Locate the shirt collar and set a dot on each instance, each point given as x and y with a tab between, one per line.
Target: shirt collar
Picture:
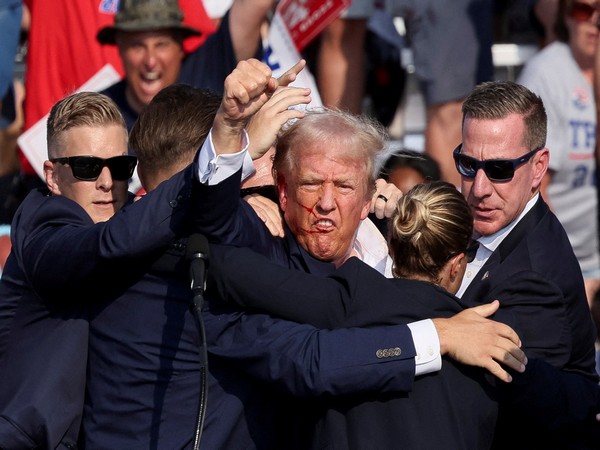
493	241
372	248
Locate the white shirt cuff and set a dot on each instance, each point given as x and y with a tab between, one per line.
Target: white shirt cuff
213	168
427	345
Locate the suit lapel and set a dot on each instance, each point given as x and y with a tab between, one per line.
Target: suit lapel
519	232
481	284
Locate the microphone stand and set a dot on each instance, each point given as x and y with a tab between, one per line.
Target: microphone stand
198	301
197	249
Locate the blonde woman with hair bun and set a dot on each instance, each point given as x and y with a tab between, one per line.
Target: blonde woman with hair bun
430	235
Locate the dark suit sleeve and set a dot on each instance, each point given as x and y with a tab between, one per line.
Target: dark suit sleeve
306	362
555	401
251	280
544	331
354	295
209	65
60	248
43	378
227	219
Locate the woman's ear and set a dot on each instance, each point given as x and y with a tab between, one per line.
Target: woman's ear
456	266
452	273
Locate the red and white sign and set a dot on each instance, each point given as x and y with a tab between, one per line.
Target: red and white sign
305	19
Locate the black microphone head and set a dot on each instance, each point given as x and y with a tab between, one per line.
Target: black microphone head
197	247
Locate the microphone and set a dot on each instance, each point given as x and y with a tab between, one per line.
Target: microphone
196	253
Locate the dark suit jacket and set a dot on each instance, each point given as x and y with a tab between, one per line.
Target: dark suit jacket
59	263
144	372
538	281
144	379
225	218
553	402
452	409
71	283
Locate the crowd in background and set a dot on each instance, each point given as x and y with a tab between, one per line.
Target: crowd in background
156	47
357	67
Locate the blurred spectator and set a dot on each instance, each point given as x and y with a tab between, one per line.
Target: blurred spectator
562	75
13	184
11	112
10	28
386	77
406	168
596	300
58	63
340	61
545	12
151	38
451	43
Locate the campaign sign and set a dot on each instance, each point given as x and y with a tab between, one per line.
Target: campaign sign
305	19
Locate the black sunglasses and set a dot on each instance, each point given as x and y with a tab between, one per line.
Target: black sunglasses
470	252
88	168
583	12
495	169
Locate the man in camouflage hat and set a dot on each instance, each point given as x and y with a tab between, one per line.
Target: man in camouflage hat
149	35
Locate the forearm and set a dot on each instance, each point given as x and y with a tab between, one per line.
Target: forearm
246	19
251	280
307	362
62	247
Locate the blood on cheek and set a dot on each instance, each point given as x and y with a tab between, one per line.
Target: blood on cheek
311	212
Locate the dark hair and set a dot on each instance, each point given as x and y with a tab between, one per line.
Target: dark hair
431	222
173	126
421	162
499	99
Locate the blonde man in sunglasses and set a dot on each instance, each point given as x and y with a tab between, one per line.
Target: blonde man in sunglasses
89	145
77	243
524	258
